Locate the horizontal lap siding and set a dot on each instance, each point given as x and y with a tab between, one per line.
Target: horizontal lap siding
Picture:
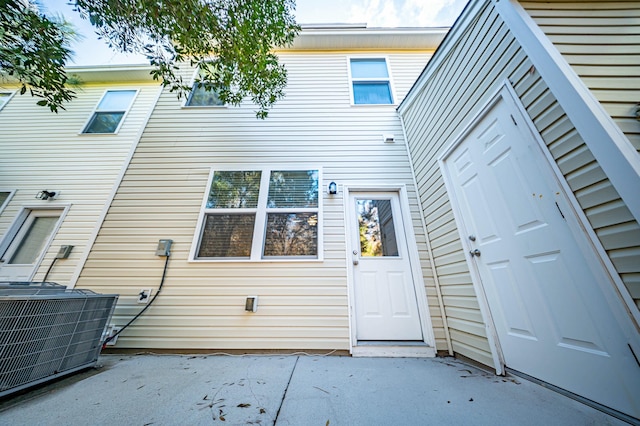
601	41
483	57
302	305
44	150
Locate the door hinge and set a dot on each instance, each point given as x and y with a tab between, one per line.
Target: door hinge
513	119
561	214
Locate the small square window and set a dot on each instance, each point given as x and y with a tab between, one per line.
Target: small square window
5	196
109	113
370	81
203	95
4	98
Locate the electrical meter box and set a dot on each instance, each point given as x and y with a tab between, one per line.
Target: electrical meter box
164	248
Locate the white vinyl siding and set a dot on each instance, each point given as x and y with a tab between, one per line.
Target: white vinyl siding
484	56
43	150
303	304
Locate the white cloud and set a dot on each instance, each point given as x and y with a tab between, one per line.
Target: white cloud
405	13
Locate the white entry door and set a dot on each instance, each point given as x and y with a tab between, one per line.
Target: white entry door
384	294
23	255
554	306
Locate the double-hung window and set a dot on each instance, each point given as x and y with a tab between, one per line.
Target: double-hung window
4	98
5	197
370	81
203	95
109	113
259	214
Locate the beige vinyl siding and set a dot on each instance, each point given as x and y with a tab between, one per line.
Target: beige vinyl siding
483	57
302	304
44	150
611	73
601	41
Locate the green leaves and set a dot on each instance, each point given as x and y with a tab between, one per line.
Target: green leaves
34	50
231	41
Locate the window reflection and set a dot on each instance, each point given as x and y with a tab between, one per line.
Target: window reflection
377	230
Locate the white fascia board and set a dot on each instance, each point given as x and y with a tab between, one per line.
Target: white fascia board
609	145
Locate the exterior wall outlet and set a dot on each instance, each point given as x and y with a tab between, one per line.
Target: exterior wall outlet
64	252
110	331
144	296
251	304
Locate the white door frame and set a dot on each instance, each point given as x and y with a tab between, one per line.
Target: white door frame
429	349
578	224
19	220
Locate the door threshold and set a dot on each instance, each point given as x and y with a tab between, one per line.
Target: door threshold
389	348
391	343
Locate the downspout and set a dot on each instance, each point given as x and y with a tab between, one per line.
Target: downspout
112	195
436	280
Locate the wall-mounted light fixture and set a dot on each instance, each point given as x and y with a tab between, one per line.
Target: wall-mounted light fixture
388	138
332	189
47	195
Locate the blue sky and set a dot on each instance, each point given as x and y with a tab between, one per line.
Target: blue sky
375	13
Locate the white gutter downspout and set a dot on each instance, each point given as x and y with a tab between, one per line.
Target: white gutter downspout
112	195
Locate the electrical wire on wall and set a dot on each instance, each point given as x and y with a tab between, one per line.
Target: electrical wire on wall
165	252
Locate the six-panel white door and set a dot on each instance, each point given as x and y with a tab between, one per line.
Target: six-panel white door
551	301
385	299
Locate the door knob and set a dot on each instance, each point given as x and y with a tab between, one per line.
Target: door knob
475	252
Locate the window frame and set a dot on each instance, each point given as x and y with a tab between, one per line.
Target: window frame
388	80
11	94
185	103
6	202
96	110
261	212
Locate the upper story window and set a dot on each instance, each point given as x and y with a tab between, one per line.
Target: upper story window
370	81
200	96
4	98
259	214
5	196
109	113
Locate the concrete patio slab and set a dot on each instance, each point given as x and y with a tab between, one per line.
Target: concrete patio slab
292	390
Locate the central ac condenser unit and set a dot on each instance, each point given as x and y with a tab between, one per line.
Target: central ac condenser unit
47	331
